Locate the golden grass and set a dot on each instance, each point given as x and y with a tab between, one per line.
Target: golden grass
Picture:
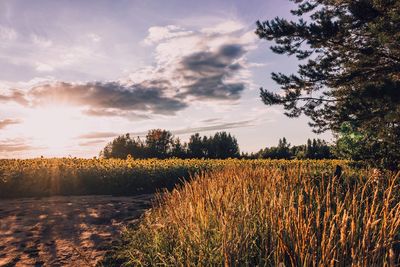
293	215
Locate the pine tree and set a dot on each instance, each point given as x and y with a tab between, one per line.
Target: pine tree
350	71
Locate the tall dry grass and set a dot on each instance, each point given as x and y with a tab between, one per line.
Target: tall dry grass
263	216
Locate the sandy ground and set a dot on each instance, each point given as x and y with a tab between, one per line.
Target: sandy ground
64	230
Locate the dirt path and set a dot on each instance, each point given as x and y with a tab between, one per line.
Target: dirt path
63	231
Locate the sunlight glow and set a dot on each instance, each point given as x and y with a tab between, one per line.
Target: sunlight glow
54	127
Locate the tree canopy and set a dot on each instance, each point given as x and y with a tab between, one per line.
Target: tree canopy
314	149
162	144
349	72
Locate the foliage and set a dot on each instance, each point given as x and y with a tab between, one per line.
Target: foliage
220	146
289	213
159	143
162	144
124	145
349	143
351	73
282	151
314	149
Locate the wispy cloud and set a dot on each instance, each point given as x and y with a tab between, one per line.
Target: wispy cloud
14	145
92	142
157	33
6	122
14	95
214	127
7	33
96	135
41	41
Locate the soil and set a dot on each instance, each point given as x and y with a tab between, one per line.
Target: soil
64	230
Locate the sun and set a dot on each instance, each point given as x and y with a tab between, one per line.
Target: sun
54	128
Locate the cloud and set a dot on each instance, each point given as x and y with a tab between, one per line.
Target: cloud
216	127
7	34
43	67
94	37
15	96
207	73
212	120
224	27
157	33
190	66
103	97
205	64
92	142
7	122
96	135
41	41
107	112
14	145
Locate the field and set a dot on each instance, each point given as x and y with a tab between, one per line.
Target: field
279	213
234	212
72	176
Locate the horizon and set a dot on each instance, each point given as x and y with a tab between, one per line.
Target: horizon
69	87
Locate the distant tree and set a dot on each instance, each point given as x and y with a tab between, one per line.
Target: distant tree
158	143
282	151
178	149
120	147
317	149
313	149
352	70
196	147
220	146
223	145
299	152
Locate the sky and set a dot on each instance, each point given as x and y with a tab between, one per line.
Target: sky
76	74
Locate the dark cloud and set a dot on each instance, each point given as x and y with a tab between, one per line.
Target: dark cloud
203	76
207	73
6	122
102	97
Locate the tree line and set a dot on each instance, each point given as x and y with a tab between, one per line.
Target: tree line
161	144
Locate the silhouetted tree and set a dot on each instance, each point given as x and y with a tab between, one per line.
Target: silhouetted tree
222	145
314	149
120	147
158	143
178	149
196	148
282	151
352	70
317	149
